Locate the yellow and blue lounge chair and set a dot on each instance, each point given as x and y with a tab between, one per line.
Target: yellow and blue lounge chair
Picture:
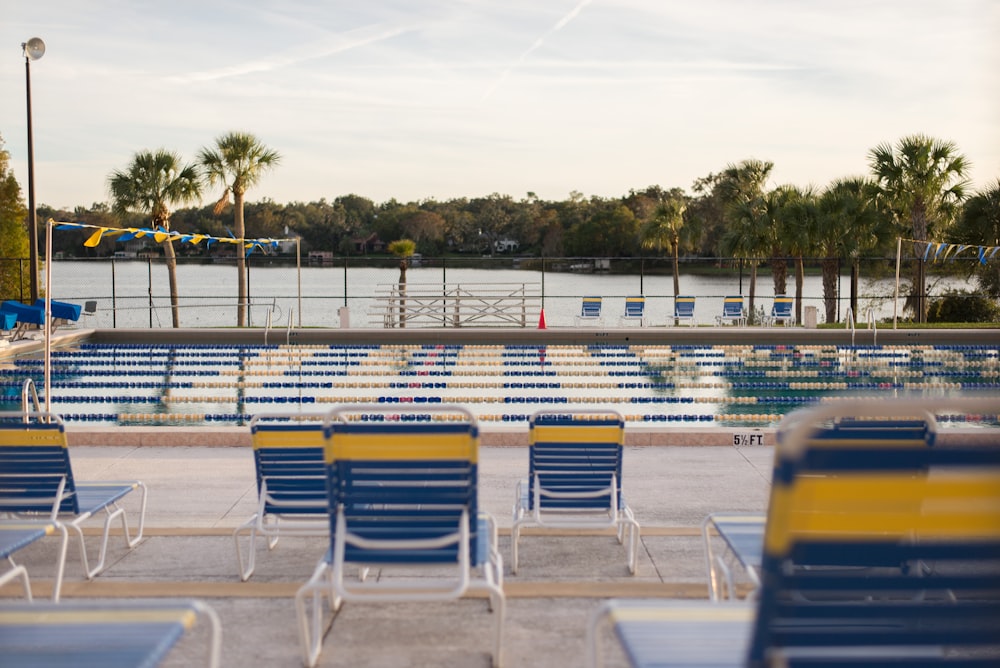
17	534
635	308
590	310
733	312
781	311
684	310
291	482
873	556
575	478
110	635
403	495
742	534
36	481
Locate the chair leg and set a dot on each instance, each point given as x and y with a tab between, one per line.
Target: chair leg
247	568
18	571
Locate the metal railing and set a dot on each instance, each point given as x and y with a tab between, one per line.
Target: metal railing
456	305
872	324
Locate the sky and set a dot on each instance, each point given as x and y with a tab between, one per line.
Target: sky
436	99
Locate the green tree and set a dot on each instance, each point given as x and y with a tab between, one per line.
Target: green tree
403	249
979	225
238	161
663	231
152	183
922	181
797	228
749	225
14	283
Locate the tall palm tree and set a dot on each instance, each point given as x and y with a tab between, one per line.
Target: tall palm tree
152	183
797	229
238	161
749	227
922	181
663	230
979	225
852	203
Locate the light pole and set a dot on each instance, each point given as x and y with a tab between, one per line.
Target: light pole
33	49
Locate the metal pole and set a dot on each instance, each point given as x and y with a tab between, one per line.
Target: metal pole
149	270
32	214
895	297
298	270
114	298
48	315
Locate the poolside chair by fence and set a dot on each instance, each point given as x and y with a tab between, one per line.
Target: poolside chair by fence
37	482
62	312
25	317
17	534
86	633
291	483
684	310
733	312
403	498
873	556
590	310
781	311
635	309
575	478
741	534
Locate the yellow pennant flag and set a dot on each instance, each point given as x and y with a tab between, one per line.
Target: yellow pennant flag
95	238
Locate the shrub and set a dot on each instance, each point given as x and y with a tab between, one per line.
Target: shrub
962	306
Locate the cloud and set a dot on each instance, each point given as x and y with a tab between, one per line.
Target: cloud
341	43
537	44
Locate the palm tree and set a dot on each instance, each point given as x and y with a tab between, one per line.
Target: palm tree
663	230
797	228
979	225
403	249
151	184
238	161
852	203
922	180
749	226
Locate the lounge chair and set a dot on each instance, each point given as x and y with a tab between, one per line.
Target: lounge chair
742	534
291	483
85	633
733	312
684	310
590	310
25	317
635	308
17	534
575	478
781	311
62	312
872	556
37	482
403	494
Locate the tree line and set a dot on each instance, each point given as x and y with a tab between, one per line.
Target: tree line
916	188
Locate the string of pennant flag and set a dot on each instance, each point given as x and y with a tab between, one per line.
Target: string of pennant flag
160	235
933	251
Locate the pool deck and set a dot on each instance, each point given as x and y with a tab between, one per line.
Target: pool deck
202	486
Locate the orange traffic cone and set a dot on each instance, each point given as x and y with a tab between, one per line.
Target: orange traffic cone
541	319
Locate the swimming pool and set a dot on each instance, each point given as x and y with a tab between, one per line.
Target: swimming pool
720	384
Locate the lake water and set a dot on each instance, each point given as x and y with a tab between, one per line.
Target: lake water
135	293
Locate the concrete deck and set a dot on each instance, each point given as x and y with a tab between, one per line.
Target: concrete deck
197	495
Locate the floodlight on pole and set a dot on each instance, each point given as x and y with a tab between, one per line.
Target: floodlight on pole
33	49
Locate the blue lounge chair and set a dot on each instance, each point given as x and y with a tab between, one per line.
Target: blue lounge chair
8	322
575	478
36	481
684	310
291	483
17	534
873	555
781	311
635	308
742	534
112	635
25	317
590	310
403	494
732	312
61	311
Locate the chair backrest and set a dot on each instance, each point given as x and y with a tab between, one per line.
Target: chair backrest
34	464
732	307
576	451
64	310
590	307
8	320
782	307
683	307
634	306
879	546
289	457
32	315
406	477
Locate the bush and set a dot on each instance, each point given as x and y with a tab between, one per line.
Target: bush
961	306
